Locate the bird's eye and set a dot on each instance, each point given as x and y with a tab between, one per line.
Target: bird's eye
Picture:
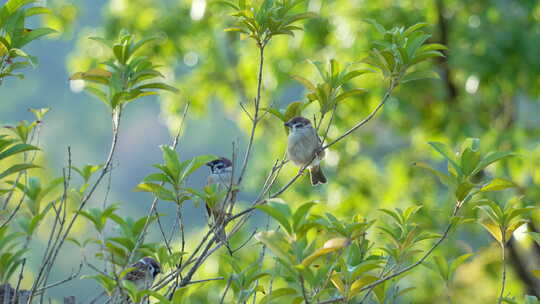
219	166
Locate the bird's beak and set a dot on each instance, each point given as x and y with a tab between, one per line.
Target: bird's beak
287	124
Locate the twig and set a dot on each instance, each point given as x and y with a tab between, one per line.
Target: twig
229	281
69	278
255	118
21	275
51	258
205	280
365	120
503	256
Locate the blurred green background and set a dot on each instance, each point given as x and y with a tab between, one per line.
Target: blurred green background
489	88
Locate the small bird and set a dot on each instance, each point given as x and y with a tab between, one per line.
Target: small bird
304	145
220	175
146	270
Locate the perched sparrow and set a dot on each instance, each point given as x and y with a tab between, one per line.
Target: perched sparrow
146	270
220	175
304	144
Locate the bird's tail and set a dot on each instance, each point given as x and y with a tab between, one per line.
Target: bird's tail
220	231
317	175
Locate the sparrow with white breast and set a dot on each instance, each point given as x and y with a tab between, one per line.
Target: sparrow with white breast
304	146
221	176
144	272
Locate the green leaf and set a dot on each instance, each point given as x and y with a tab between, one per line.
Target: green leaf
229	3
493	229
17	168
491	158
330	246
361	282
276	113
140	44
170	157
443	177
293	109
446	153
280	212
37	10
353	74
419	75
159	86
20	148
34	34
350	93
432	47
277	243
236	29
278	293
157	190
498	184
458	262
300	214
414	28
377	25
305	82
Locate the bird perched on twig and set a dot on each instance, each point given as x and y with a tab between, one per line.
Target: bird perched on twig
144	272
304	146
221	176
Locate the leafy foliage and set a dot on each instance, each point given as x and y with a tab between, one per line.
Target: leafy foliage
269	18
127	78
400	49
11	253
14	35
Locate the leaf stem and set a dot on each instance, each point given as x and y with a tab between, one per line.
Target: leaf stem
503	256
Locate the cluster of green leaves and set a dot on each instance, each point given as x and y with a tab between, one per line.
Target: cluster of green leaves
35	194
332	262
14	35
446	269
502	221
327	93
403	233
14	154
466	170
400	49
269	18
128	76
169	183
11	253
244	279
10	147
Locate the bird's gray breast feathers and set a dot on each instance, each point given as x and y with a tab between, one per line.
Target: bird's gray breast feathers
222	179
302	145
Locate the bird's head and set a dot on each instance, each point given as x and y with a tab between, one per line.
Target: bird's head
220	165
298	123
152	265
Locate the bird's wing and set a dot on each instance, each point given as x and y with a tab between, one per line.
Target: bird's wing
136	274
321	153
